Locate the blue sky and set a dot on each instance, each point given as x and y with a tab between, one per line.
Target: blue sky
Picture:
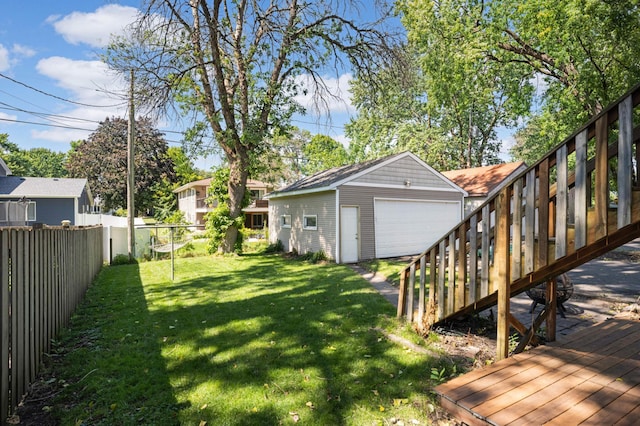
53	48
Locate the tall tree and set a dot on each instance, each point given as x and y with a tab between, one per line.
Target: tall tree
236	63
282	162
394	115
322	153
472	95
586	52
34	162
102	159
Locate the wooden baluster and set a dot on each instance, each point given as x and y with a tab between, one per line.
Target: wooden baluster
461	282
421	291
442	259
485	250
530	223
451	279
411	289
516	243
581	190
543	214
602	178
561	202
473	259
625	165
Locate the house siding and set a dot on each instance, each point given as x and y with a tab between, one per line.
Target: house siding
296	238
363	197
53	211
397	172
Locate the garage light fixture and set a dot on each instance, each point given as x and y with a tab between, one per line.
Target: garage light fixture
407	183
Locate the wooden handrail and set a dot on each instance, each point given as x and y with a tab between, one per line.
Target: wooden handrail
521	236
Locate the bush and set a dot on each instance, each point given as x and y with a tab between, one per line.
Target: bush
122	259
276	247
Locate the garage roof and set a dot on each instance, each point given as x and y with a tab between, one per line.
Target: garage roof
332	178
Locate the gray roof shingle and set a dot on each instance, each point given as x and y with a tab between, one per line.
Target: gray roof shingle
37	187
328	177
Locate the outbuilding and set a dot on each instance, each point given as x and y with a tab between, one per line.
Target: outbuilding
392	206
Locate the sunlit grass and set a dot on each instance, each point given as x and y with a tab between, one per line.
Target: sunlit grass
239	340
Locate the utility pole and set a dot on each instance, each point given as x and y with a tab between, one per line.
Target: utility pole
131	135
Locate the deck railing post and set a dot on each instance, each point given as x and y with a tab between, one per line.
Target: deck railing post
502	273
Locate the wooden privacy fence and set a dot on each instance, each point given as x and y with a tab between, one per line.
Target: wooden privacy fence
578	202
44	274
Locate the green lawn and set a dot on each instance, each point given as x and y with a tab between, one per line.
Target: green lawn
250	340
390	269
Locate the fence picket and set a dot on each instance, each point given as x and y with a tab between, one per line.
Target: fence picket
44	274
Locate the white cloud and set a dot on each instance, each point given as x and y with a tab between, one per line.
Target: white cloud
90	83
86	80
94	28
4	58
23	51
8	117
335	99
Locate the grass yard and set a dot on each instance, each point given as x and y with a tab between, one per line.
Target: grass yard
250	340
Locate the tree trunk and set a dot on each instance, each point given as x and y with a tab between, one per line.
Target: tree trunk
238	174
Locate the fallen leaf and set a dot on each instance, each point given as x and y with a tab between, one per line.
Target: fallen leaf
399	401
310	405
203	407
375	392
203	423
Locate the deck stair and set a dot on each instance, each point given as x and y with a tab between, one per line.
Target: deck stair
581	200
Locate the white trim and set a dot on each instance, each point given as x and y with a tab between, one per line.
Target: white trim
299	192
309	228
391	186
416	199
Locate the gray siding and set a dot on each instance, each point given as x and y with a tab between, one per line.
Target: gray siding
364	198
397	172
323	205
52	211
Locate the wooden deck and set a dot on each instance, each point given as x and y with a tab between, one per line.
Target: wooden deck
591	377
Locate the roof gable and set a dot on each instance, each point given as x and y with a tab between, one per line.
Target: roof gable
481	181
332	178
4	169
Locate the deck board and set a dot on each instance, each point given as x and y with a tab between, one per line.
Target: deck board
590	377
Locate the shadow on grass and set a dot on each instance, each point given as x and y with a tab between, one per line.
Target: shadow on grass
252	340
275	339
108	362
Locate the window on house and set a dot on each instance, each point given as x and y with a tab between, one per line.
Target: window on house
285	221
31	211
257	221
310	222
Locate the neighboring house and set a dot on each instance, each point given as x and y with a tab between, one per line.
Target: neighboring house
480	183
393	206
192	201
29	200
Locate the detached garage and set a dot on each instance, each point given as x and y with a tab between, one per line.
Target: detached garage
393	206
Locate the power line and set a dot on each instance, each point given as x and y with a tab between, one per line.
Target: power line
58	97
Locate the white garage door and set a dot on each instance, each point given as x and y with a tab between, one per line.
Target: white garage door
411	226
